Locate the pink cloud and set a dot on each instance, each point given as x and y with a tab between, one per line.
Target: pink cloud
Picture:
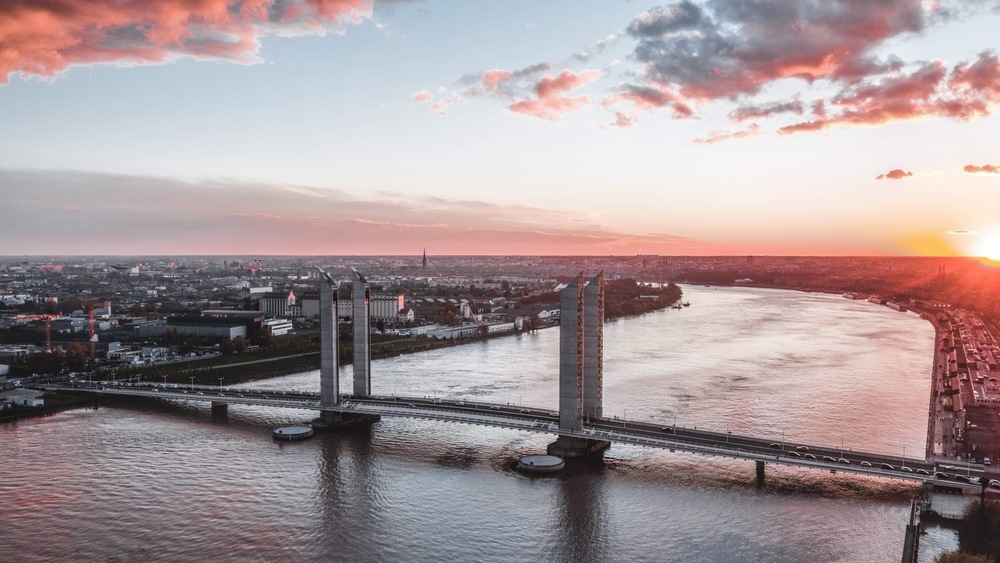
494	77
984	169
421	96
894	174
551	102
649	98
929	91
716	136
45	37
623	120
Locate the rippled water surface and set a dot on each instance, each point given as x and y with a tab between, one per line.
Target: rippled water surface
168	482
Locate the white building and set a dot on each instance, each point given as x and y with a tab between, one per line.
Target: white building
278	327
380	307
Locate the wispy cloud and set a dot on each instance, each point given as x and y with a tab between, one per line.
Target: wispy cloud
147	215
45	37
716	136
550	101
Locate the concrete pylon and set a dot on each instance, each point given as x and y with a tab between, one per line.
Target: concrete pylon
360	297
571	355
593	348
329	354
329	359
574	314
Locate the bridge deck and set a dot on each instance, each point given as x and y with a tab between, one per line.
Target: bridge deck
530	419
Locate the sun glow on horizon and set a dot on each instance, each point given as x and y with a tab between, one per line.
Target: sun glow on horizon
989	247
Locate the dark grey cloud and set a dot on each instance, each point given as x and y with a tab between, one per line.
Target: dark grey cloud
729	48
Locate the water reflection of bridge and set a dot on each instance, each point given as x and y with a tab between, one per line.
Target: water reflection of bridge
579	424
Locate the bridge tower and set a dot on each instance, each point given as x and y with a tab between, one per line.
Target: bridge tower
329	356
360	298
329	353
593	348
573	365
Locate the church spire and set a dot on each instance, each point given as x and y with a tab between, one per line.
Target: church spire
425	258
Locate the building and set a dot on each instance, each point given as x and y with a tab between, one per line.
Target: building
24	398
278	327
380	307
277	304
310	304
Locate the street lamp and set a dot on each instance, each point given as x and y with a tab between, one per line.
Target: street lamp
192	382
164	380
220	382
624	418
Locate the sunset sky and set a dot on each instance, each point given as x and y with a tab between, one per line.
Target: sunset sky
338	127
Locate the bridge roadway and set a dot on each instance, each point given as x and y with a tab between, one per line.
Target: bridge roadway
532	419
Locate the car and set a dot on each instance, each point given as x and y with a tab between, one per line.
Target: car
667	429
923	472
829	458
802	448
975	481
775	445
994	484
940	475
886	466
866	464
796	454
948	467
810	456
844	461
906	469
962	478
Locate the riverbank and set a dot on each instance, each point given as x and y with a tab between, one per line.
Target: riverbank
54	403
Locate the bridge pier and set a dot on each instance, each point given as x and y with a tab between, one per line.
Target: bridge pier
569	447
334	420
760	473
218	407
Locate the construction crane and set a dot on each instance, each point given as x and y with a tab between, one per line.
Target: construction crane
48	325
93	335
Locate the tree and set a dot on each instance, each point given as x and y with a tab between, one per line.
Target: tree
240	344
226	347
484	330
380	325
979	530
76	357
137	310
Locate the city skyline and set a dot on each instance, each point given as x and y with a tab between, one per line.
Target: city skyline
338	127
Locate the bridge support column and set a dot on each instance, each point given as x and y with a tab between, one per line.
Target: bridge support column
334	420
329	354
360	297
760	473
218	407
593	348
573	357
569	447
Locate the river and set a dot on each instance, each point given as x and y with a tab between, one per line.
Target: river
170	482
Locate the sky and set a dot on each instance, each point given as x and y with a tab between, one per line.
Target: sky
591	127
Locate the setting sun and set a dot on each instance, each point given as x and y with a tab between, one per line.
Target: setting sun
989	246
